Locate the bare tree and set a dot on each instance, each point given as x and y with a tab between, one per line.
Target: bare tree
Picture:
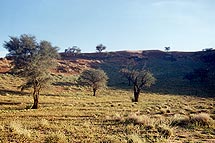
139	79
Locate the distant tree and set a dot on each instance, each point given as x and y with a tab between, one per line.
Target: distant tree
94	78
139	79
167	49
74	50
207	49
100	48
32	61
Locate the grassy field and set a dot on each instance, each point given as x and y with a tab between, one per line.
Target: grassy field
69	113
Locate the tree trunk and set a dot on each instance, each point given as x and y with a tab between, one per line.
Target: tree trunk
36	98
136	93
94	92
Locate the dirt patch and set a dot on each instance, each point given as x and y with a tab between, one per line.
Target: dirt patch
5	65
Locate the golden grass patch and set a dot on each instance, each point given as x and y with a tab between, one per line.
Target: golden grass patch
73	115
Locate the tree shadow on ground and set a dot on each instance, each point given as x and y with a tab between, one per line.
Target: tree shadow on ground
5	92
64	84
9	103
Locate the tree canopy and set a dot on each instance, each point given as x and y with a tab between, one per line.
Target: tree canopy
94	78
33	61
139	79
167	49
74	50
100	47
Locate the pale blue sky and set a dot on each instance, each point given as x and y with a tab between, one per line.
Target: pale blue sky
184	25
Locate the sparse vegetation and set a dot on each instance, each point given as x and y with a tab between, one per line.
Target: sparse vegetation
102	85
76	116
69	113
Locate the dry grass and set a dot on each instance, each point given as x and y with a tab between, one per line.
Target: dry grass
139	119
17	128
194	120
76	116
56	137
134	138
202	119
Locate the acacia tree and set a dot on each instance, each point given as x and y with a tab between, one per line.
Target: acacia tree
167	49
139	79
75	50
94	78
33	61
100	48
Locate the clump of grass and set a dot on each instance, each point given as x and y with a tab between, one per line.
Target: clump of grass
44	123
201	119
56	137
180	120
134	138
138	119
133	118
165	131
112	139
118	117
18	129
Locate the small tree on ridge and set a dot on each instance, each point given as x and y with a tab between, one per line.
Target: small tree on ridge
167	49
100	48
75	50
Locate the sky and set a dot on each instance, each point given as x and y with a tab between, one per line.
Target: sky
184	25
